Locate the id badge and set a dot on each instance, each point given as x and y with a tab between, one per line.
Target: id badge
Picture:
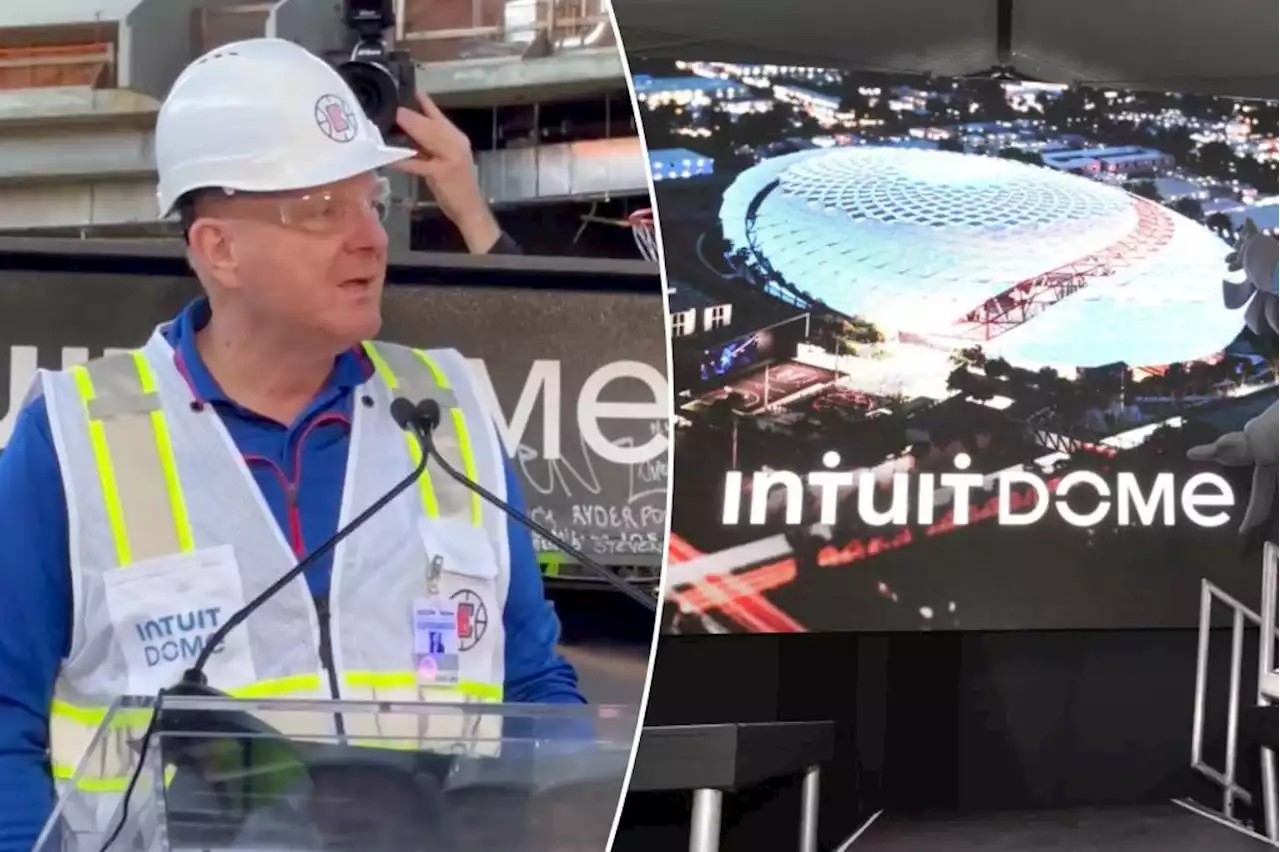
435	642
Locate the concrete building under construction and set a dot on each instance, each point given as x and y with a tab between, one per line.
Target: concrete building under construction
537	84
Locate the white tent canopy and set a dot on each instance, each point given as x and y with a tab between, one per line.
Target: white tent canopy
1224	47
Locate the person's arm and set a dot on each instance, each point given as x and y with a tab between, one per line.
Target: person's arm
536	673
448	167
35	620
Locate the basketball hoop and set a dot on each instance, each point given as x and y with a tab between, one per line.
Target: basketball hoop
641	223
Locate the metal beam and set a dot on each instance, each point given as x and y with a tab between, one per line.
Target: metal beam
494	82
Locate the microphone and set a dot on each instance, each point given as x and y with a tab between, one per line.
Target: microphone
426	417
406	417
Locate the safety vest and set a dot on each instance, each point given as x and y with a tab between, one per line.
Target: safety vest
169	535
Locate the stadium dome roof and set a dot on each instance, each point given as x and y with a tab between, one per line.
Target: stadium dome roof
916	239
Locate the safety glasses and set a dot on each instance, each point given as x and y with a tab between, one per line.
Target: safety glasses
324	211
335	210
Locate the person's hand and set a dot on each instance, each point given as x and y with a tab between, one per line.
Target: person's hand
445	163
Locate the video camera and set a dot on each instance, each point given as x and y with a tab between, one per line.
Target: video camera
381	79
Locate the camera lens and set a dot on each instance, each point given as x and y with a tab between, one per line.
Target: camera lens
375	89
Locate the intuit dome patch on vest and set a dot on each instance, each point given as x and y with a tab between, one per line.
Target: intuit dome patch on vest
163	611
180	636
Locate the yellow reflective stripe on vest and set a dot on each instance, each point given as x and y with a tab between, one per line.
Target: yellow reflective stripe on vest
128	725
402	370
128	432
282	687
403	686
407	680
81	723
429	504
93	717
104	764
118	784
460	430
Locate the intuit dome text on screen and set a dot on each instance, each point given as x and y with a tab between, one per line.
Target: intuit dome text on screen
1015	497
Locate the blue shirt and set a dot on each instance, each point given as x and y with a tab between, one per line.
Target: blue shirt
308	458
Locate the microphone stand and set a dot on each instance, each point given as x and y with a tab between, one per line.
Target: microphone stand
193	679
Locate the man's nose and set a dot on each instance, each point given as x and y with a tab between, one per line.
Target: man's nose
366	231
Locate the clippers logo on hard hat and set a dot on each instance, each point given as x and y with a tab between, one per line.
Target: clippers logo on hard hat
336	119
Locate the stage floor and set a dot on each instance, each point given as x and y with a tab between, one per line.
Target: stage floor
1167	828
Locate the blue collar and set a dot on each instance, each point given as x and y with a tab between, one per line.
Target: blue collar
350	369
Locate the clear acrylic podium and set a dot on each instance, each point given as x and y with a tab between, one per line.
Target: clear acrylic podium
297	775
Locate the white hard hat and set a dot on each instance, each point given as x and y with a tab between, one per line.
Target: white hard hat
262	115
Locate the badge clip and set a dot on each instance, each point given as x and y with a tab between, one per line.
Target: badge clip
433	575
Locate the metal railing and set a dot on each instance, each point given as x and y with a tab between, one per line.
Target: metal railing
1225	777
1241	618
469	30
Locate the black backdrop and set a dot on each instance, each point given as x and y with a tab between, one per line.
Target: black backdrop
938	722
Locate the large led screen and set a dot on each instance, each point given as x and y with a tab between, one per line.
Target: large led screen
954	354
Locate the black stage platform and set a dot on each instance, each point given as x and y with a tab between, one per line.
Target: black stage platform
1159	828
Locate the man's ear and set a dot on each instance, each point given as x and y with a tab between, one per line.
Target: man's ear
211	249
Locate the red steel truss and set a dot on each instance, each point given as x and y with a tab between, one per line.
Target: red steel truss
1028	299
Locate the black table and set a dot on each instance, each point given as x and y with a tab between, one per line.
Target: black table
711	760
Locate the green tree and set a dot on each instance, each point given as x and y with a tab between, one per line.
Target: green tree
1029	157
991	100
1190	208
959	380
1176	381
1216	159
1046	377
1065	110
761	128
862	331
997	368
1221	223
660	124
1145	189
1176	142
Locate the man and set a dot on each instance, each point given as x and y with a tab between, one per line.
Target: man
147	496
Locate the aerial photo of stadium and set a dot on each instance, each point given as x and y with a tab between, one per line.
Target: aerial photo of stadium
958	249
901	278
